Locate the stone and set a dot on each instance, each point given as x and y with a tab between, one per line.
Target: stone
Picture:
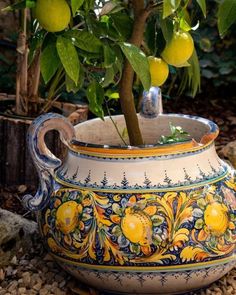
21	290
12	286
43	292
26	278
229	151
2	275
15	233
38	286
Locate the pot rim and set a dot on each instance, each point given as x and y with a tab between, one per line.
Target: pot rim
189	145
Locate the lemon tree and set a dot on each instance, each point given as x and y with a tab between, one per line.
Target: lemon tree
100	49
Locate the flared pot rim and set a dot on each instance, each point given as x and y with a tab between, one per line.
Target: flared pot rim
207	138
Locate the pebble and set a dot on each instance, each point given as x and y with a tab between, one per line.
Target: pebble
35	273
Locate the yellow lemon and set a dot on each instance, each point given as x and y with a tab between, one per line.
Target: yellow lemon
137	227
67	216
216	218
53	15
179	49
159	70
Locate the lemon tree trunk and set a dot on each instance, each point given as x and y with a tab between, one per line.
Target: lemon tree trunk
126	84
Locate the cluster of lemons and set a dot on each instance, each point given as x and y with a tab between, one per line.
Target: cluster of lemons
176	52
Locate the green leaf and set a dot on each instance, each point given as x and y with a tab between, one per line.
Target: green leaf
226	16
112	95
167	28
89	5
70	84
84	40
109	77
75	5
191	77
139	63
95	95
35	43
169	7
184	25
109	56
49	62
69	58
202	4
123	24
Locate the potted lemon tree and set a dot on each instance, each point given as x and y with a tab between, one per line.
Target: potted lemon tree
143	215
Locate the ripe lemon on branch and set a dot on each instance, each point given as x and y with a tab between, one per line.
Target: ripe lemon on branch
53	15
159	70
179	49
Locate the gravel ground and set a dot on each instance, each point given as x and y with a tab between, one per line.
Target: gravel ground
35	273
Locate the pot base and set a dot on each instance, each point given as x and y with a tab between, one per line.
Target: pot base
145	283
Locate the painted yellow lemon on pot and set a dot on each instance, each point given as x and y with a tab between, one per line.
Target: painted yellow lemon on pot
179	49
67	216
53	15
159	70
137	227
216	218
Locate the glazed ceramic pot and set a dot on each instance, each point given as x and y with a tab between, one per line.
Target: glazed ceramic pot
154	219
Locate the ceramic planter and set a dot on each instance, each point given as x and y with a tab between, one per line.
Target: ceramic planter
157	219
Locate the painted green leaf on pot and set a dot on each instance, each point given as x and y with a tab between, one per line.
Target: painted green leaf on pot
226	16
199	223
139	63
95	96
69	58
49	62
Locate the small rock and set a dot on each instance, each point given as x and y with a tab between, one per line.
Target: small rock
58	278
37	287
21	290
62	284
43	292
26	278
22	188
48	257
8	271
12	286
2	274
14	260
15	233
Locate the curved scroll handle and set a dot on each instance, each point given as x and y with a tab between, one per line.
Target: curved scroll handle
44	160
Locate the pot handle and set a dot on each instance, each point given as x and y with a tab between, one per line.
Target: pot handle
44	160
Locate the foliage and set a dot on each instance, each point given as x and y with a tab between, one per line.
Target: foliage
107	40
177	135
216	56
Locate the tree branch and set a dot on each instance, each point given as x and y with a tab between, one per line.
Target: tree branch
126	83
